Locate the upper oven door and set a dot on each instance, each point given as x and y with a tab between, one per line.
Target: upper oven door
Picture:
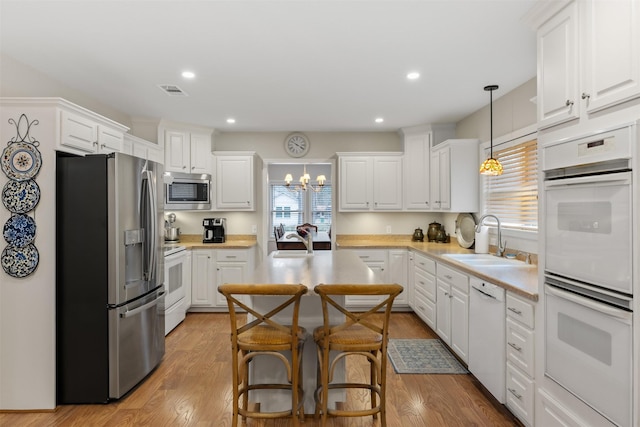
588	229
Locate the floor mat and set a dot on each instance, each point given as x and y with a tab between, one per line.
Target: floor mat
422	356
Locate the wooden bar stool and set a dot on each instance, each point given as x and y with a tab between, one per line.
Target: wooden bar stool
361	334
265	337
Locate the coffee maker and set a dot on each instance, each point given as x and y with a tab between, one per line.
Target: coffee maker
213	230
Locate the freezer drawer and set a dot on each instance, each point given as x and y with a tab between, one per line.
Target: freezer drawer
136	342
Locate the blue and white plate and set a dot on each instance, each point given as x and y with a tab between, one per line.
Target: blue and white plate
19	230
20	196
20	262
21	161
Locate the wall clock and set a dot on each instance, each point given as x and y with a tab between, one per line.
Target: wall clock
296	144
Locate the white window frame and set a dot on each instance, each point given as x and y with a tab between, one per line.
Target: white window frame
515	138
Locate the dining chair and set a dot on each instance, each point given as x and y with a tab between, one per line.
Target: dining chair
263	336
360	334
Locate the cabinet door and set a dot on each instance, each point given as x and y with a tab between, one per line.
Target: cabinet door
176	151
558	99
109	140
398	274
417	155
434	182
200	155
611	52
444	168
78	133
460	323
234	182
355	183
443	311
203	278
229	272
387	183
440	179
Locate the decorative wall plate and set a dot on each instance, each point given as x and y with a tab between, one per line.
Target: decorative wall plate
20	262
20	196
21	161
19	230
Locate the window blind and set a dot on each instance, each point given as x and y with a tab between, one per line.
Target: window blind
513	196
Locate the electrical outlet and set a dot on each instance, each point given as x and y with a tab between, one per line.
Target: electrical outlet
388	229
254	229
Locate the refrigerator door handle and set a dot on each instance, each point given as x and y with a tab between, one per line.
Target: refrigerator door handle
142	308
148	210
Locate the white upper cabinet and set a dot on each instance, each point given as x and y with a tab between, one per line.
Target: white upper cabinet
187	152
454	176
234	181
588	58
143	149
370	182
418	141
84	134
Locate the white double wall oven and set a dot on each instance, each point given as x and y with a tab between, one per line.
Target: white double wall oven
588	269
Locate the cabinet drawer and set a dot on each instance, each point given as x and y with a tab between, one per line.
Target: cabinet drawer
425	283
520	310
379	255
453	277
425	309
231	255
520	392
520	343
424	263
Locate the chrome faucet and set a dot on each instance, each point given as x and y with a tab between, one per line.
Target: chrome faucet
308	242
501	245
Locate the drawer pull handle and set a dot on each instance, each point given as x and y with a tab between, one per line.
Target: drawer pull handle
448	277
421	308
512	391
515	347
515	310
231	256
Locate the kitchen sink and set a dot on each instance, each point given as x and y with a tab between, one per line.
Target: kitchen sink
292	254
487	260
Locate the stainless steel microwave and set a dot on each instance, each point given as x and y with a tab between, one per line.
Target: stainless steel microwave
184	191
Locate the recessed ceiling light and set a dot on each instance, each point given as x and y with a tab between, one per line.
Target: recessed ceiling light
231	120
188	74
379	120
413	75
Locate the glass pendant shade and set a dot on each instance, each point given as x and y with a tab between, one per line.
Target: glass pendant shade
491	166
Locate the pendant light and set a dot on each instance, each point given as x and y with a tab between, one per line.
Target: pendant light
491	166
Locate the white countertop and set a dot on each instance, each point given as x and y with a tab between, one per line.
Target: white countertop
329	267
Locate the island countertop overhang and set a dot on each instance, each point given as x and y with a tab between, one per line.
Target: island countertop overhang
328	267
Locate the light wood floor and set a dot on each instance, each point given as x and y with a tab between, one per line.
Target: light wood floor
192	387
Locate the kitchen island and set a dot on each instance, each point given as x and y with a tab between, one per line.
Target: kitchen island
329	267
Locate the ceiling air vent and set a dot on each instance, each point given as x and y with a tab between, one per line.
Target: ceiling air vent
172	90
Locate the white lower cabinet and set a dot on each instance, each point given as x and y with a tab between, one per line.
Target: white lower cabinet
520	384
389	266
452	309
213	267
203	285
424	289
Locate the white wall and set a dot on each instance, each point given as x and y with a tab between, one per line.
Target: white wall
27	305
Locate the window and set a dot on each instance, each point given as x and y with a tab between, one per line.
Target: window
513	196
293	208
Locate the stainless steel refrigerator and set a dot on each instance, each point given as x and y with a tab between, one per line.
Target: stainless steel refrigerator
109	275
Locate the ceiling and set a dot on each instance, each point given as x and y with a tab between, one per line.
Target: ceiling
279	65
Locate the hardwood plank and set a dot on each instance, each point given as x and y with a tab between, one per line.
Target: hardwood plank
192	387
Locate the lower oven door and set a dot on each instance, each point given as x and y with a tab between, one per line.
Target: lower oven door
174	276
588	351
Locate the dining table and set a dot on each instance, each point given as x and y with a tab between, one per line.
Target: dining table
321	241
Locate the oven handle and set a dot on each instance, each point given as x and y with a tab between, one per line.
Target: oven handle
625	316
620	178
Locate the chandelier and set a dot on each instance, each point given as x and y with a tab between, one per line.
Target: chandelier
491	166
304	182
